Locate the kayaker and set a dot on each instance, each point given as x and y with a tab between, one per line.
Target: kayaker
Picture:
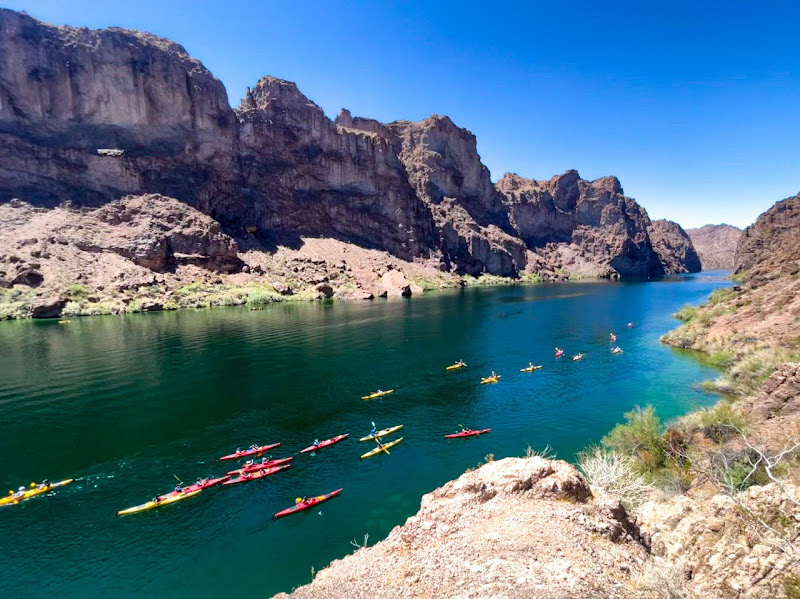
373	430
465	429
157	499
178	488
315	443
45	484
630	325
494	375
378	441
20	492
530	365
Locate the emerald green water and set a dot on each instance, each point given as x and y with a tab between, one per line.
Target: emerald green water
124	403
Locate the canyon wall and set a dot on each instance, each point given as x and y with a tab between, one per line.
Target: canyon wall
716	245
89	116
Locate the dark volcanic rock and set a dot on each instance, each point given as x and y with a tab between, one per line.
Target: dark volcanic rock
90	116
593	216
674	247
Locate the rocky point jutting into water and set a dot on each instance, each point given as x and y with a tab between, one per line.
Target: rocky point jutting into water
90	116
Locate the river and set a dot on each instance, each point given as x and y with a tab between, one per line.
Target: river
125	403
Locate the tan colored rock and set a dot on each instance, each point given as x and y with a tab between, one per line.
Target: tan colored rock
512	528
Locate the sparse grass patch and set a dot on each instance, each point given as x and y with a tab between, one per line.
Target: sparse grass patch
531	277
615	474
661	579
791	586
751	371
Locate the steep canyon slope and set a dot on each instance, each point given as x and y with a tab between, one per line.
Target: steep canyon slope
90	116
716	245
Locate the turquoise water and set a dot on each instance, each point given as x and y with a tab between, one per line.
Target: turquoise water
124	403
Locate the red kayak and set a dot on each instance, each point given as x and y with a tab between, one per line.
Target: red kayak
255	475
261	466
467	434
243	453
304	505
327	443
205	484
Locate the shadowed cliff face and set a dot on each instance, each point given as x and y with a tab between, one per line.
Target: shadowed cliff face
674	247
277	166
772	242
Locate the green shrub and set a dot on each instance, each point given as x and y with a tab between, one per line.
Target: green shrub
791	586
720	295
531	277
722	359
748	374
686	314
721	422
640	437
77	291
257	297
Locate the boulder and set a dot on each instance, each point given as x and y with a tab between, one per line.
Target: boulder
325	289
47	307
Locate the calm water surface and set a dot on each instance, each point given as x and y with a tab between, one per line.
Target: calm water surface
124	403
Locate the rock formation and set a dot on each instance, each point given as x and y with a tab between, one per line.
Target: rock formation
511	528
90	116
773	241
674	247
716	245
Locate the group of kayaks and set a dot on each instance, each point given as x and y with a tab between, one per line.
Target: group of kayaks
255	470
250	470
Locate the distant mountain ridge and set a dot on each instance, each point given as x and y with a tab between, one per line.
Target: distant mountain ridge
716	245
277	170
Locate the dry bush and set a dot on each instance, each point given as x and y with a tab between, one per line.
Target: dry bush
615	474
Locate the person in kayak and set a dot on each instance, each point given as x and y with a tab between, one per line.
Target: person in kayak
178	488
20	492
315	443
464	429
494	375
45	484
373	430
531	366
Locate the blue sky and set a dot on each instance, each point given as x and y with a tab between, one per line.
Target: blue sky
695	106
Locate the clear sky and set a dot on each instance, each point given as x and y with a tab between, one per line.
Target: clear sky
695	106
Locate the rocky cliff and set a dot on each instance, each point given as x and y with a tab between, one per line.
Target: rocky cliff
716	245
512	528
771	245
89	116
674	247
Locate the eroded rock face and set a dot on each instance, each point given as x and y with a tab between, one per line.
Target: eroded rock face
595	218
511	528
90	116
716	245
674	247
773	241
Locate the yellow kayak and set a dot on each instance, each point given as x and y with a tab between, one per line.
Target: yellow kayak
377	394
37	490
456	366
529	369
378	450
382	433
490	379
167	499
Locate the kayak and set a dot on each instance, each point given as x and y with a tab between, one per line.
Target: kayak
207	483
243	453
256	475
38	490
261	466
467	434
577	357
377	394
529	369
616	351
304	505
456	366
559	353
490	379
379	449
327	443
382	433
167	499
